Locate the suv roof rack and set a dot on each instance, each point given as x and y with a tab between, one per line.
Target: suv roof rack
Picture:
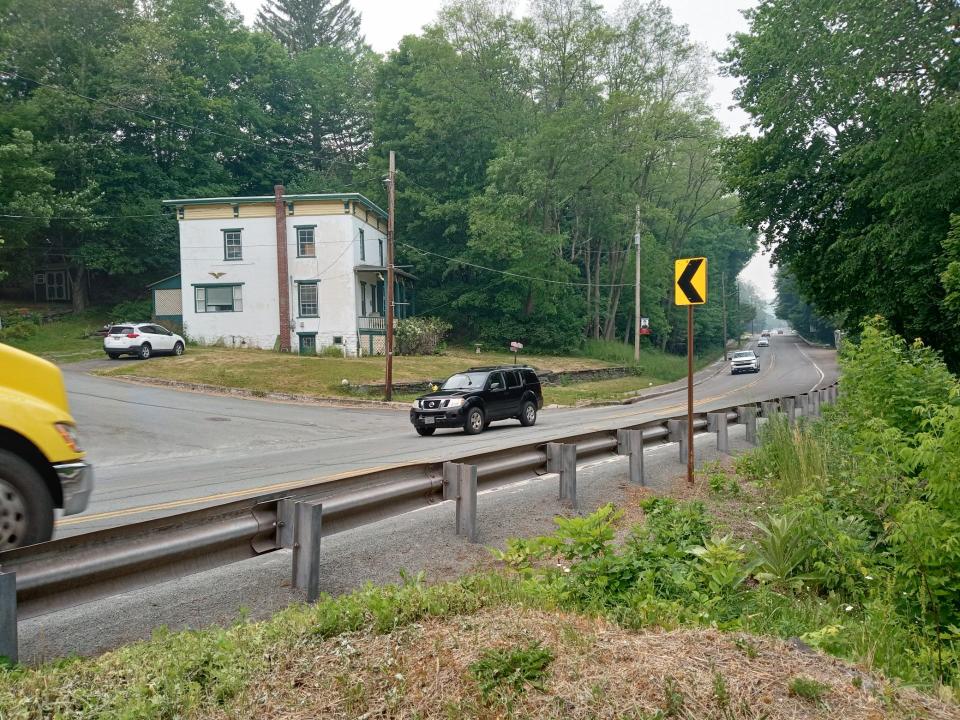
490	368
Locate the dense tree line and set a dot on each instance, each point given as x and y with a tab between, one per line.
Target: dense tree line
853	175
531	150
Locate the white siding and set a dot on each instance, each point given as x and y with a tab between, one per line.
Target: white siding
258	324
201	258
336	242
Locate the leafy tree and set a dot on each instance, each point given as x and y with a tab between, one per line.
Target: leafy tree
792	307
855	169
306	24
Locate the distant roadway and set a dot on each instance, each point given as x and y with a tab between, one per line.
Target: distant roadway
158	451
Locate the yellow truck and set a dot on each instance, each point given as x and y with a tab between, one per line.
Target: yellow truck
41	463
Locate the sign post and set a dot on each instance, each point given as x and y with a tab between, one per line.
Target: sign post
515	348
690	288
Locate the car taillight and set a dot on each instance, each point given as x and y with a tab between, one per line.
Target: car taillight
133	335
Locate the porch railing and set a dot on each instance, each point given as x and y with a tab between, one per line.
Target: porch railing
373	322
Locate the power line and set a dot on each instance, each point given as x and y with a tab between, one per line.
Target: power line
513	274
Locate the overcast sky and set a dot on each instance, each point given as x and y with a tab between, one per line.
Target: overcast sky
710	22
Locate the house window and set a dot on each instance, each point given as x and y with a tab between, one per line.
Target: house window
338	339
307	299
56	286
378	298
232	245
380	240
306	245
218	298
363	299
363	246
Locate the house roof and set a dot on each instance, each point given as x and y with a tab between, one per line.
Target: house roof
170	277
254	199
383	269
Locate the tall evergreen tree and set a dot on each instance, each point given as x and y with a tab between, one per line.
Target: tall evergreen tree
306	24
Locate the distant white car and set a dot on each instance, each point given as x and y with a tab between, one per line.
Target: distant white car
142	340
763	342
744	361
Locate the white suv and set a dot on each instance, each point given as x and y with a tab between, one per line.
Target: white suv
744	361
142	340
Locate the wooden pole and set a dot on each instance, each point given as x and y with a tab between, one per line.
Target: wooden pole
690	394
723	296
636	292
391	199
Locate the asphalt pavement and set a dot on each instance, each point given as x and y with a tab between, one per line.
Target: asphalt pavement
159	451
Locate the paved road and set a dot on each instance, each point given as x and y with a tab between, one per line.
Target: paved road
160	451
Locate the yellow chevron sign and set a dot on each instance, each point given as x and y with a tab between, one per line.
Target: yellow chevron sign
690	287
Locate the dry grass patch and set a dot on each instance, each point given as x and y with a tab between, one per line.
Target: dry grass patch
591	669
265	371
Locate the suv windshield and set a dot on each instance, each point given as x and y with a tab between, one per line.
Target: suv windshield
461	381
742	355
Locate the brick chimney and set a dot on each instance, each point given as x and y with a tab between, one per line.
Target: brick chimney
283	269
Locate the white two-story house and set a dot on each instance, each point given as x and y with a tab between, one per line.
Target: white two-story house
294	273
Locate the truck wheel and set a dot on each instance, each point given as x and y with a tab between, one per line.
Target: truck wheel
528	414
475	422
26	508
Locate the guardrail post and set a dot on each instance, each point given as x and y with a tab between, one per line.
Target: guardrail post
789	405
747	414
769	408
460	484
8	616
803	403
717	422
562	459
307	517
630	442
817	399
677	432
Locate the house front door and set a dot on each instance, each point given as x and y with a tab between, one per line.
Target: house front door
308	344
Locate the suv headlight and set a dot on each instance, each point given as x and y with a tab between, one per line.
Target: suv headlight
415	404
455	402
69	434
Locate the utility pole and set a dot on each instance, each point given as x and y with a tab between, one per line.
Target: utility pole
391	198
636	291
739	318
723	295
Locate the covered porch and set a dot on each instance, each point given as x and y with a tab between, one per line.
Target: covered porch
372	302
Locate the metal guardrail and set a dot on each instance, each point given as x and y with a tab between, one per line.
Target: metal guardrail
64	573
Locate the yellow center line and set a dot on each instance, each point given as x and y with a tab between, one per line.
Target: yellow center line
186	502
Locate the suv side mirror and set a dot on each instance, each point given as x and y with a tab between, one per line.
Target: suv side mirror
495	386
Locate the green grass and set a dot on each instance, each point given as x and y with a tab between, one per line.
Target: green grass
266	371
64	340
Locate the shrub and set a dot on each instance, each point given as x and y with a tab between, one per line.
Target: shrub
132	311
331	351
20	331
421	336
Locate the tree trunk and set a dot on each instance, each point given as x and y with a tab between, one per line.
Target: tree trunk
78	288
596	299
589	274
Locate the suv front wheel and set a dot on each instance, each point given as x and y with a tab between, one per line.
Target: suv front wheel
474	422
528	414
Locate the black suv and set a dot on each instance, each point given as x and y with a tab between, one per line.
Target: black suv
476	397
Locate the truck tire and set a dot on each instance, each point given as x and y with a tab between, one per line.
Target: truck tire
26	508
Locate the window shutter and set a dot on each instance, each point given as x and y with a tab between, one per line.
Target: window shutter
237	299
200	299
